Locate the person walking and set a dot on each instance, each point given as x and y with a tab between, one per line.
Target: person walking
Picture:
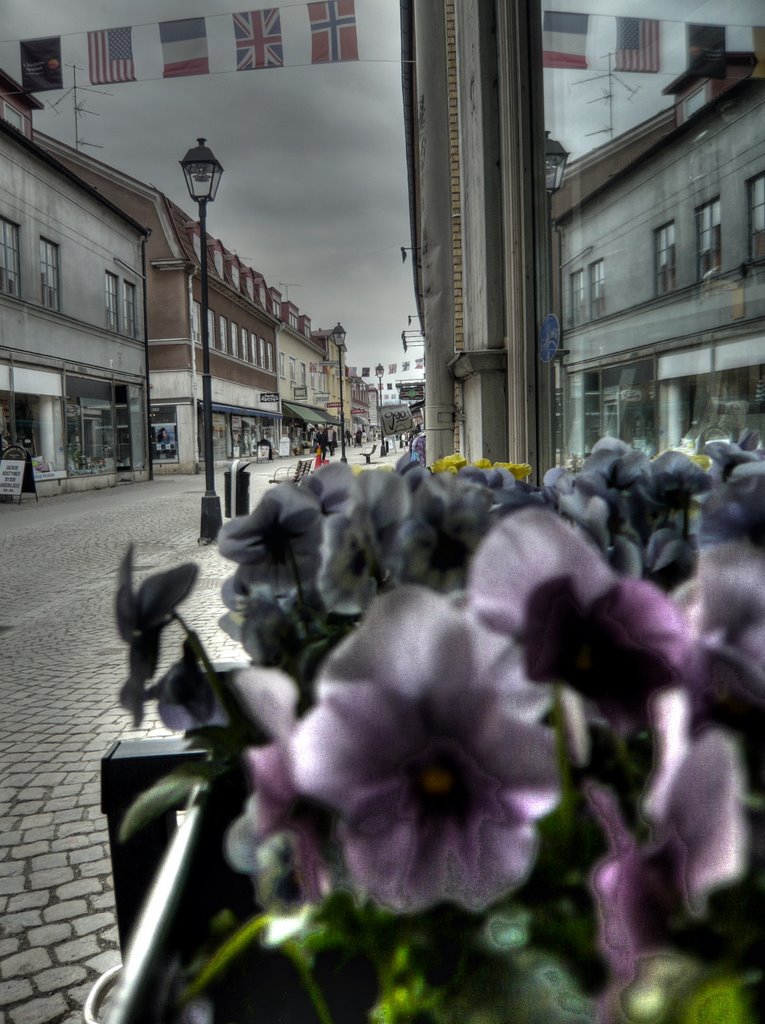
332	440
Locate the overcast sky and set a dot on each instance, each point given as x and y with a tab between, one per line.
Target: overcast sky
314	194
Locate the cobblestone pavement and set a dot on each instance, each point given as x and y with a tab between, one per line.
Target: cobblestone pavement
62	666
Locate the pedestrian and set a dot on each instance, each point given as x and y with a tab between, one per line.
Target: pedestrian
347	438
359	435
322	442
332	440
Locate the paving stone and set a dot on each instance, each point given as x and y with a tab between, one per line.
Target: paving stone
90	853
68	910
10	867
28	900
77	949
15	883
48	860
82	887
60	977
12	924
9	946
92	923
39	1011
29	850
14	990
28	961
50	877
49	934
105	961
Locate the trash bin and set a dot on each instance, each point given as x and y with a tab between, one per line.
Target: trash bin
240	488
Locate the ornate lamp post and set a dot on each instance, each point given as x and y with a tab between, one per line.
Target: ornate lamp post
338	336
379	371
203	173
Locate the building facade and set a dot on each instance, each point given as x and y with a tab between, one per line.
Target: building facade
72	343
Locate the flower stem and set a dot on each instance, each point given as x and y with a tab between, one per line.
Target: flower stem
568	793
232	948
309	982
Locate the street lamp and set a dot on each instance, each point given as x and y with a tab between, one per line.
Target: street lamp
379	371
203	173
338	336
555	163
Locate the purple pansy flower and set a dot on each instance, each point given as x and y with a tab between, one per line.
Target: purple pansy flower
615	640
431	753
274	840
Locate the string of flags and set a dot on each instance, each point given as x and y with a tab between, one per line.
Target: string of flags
637	45
257	39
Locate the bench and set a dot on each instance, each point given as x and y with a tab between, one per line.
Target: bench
369	452
293	474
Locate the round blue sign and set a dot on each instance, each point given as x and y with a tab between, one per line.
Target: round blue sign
549	337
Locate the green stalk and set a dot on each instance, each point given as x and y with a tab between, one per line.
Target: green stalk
568	792
309	982
232	948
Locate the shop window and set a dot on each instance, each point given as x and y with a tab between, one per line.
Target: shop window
597	289
708	239
664	248
129	427
757	218
31	416
89	426
49	274
164	433
628	395
110	297
578	298
129	309
9	257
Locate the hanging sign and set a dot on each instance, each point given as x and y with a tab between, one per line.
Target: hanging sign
269	396
298	391
396	419
549	337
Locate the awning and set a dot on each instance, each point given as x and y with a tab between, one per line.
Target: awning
239	411
308	413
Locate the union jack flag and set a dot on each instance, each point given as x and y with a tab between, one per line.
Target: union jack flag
258	36
333	31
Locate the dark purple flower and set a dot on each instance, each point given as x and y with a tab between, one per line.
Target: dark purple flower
736	509
185	699
142	614
279	541
430	752
727	455
614	640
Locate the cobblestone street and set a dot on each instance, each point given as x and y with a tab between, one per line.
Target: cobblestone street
63	665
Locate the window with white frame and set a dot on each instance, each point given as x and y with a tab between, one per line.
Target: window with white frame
597	289
293	365
664	249
234	339
235	275
9	257
281	365
218	262
129	309
223	333
269	356
49	264
757	217
578	298
262	344
708	239
211	327
111	301
302	374
254	348
13	116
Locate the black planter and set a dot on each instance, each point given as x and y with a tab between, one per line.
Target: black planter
192	885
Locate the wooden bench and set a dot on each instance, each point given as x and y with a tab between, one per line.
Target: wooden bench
293	474
369	452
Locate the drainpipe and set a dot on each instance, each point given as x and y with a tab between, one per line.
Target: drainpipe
150	460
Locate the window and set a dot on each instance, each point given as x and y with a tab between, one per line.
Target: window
269	355
129	308
292	369
245	345
110	297
223	332
281	365
757	218
302	373
49	274
254	347
664	247
13	116
708	238
235	275
234	339
293	321
211	327
218	261
578	298
262	353
9	258
597	289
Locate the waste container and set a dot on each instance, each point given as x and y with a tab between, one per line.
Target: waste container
240	488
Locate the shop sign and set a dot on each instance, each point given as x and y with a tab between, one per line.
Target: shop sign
16	476
268	397
358	412
396	419
236	422
631	395
298	391
334	405
322	396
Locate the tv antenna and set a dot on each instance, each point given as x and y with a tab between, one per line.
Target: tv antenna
286	285
79	107
607	95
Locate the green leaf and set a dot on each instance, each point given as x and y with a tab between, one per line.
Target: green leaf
169	793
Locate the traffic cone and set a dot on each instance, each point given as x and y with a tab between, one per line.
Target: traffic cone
318	461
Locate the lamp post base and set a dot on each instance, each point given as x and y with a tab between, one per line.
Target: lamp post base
211	519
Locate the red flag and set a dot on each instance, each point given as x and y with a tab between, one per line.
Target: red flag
333	31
